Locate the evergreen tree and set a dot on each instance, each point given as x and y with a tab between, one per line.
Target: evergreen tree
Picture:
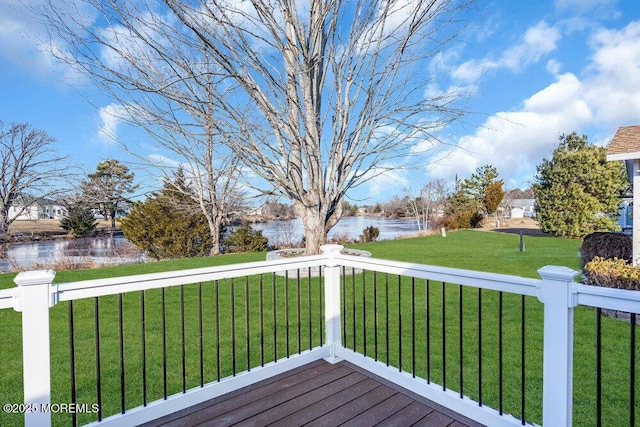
577	190
108	187
79	218
485	189
168	224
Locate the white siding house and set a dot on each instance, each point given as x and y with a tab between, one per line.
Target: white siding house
521	208
45	209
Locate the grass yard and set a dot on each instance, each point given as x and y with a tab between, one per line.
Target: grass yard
394	319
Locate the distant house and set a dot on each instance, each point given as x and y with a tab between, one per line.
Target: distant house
521	208
625	145
42	209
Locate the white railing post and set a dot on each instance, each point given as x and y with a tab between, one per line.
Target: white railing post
557	385
332	300
34	301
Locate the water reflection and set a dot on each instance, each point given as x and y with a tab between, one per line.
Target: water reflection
103	250
292	231
110	250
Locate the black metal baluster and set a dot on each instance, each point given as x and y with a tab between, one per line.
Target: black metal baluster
143	344
598	367
386	299
413	327
217	300
183	353
500	351
375	311
522	362
261	322
233	326
309	308
632	372
428	327
480	346
320	311
96	316
247	325
353	305
163	319
286	309
72	362
121	348
444	346
400	323
299	310
364	313
201	332
275	328
344	306
460	339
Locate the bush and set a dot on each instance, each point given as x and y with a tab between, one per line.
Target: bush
606	246
370	234
246	239
612	273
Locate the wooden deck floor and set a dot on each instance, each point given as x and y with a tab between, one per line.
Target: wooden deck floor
318	394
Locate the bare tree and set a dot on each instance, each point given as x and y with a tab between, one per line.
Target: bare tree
315	98
433	195
30	171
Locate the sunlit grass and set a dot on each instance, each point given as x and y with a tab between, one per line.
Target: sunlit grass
473	250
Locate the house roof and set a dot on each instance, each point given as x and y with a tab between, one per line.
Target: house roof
625	145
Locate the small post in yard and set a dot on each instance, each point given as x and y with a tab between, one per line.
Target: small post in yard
332	301
521	242
34	300
557	383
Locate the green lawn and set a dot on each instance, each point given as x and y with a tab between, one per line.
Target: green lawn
474	250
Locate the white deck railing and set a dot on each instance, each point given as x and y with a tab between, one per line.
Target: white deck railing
36	294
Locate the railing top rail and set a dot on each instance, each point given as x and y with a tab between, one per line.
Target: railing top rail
6	298
609	298
478	279
116	285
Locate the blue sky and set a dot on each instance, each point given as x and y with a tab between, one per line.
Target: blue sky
538	69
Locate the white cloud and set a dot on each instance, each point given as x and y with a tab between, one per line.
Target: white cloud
25	42
554	66
537	42
514	142
111	117
613	79
387	179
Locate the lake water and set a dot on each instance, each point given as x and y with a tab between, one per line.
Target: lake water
99	250
110	250
292	231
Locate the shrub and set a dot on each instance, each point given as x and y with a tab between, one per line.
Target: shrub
246	239
607	246
612	273
78	219
370	234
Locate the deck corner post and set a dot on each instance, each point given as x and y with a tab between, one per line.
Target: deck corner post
35	299
332	301
557	297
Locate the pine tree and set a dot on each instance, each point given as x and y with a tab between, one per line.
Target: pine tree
79	218
167	224
577	190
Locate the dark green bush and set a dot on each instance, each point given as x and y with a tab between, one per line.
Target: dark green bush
245	239
606	246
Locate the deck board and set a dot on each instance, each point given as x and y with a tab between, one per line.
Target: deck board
318	394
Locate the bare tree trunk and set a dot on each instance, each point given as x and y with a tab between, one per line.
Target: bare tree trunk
315	99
